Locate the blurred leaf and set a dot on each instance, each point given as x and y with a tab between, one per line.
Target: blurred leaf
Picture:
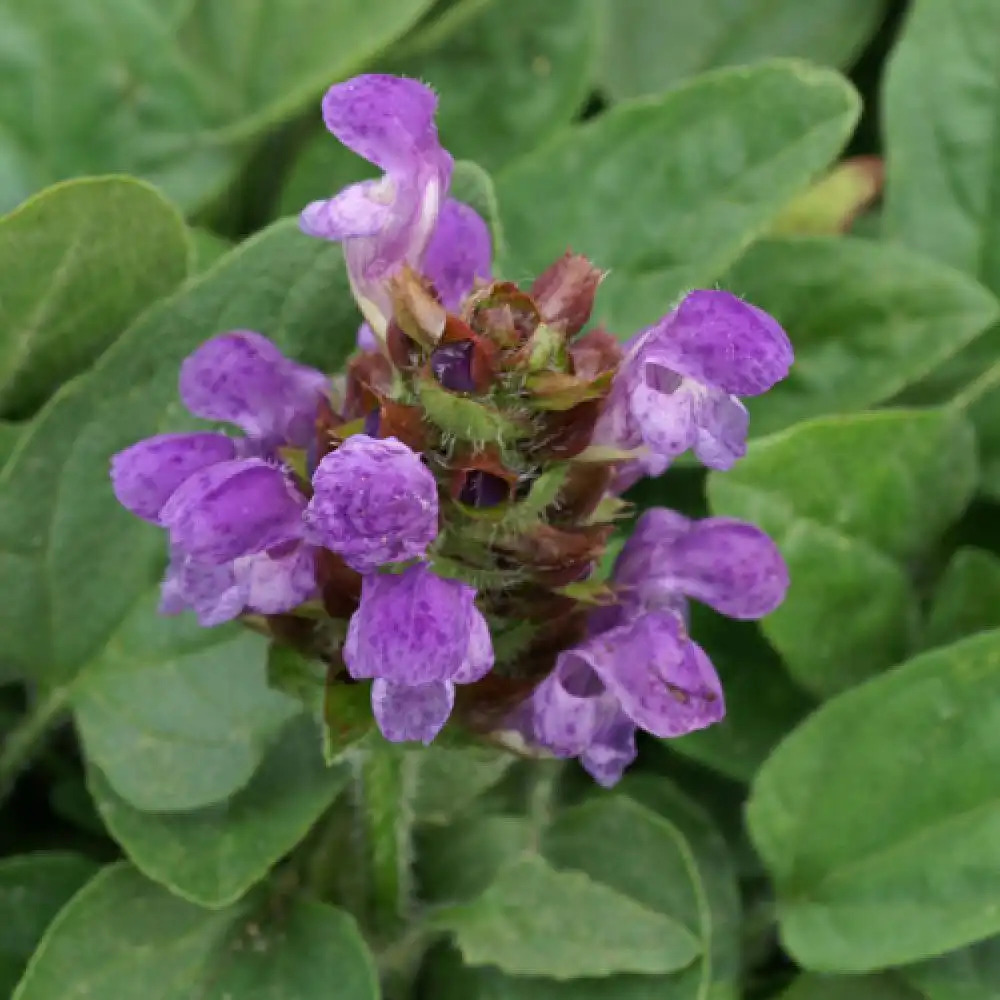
33	888
177	716
832	204
208	248
10	434
762	703
474	186
78	263
72	562
847	499
652	45
212	856
169	93
941	135
878	817
970	974
668	192
536	921
883	987
966	600
866	320
457	861
122	937
509	77
449	780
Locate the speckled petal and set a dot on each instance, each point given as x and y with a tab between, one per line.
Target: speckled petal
242	378
412	627
459	252
145	475
664	682
479	657
611	751
233	509
665	413
374	502
723	425
406	713
718	339
359	210
569	707
383	118
277	581
210	591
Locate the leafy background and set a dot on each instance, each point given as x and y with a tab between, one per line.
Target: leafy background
169	824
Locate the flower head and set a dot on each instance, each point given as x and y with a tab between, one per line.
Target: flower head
680	383
374	502
383	223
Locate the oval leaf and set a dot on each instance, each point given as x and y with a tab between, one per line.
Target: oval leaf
878	818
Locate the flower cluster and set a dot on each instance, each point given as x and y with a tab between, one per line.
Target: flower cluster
434	521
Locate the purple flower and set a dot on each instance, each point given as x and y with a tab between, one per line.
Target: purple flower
374	502
145	475
644	674
243	379
727	564
383	223
459	252
679	384
417	635
234	516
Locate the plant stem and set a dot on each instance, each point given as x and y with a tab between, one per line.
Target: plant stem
24	741
387	786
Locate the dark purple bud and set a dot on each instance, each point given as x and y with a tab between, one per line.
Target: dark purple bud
452	366
483	489
372	422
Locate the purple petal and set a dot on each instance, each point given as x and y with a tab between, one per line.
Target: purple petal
210	591
723	424
719	340
277	581
727	564
145	475
233	509
384	119
242	378
459	252
664	682
479	656
452	366
665	413
406	713
374	502
413	628
570	706
359	210
367	341
611	751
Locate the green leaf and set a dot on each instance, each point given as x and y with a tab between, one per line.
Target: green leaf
508	77
78	263
536	921
471	184
72	561
849	500
667	192
762	703
675	864
208	248
123	936
866	319
967	598
942	136
878	817
33	888
651	45
884	987
175	715
449	780
181	91
970	974
213	856
10	434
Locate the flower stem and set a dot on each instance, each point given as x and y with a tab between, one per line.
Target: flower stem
387	785
24	741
